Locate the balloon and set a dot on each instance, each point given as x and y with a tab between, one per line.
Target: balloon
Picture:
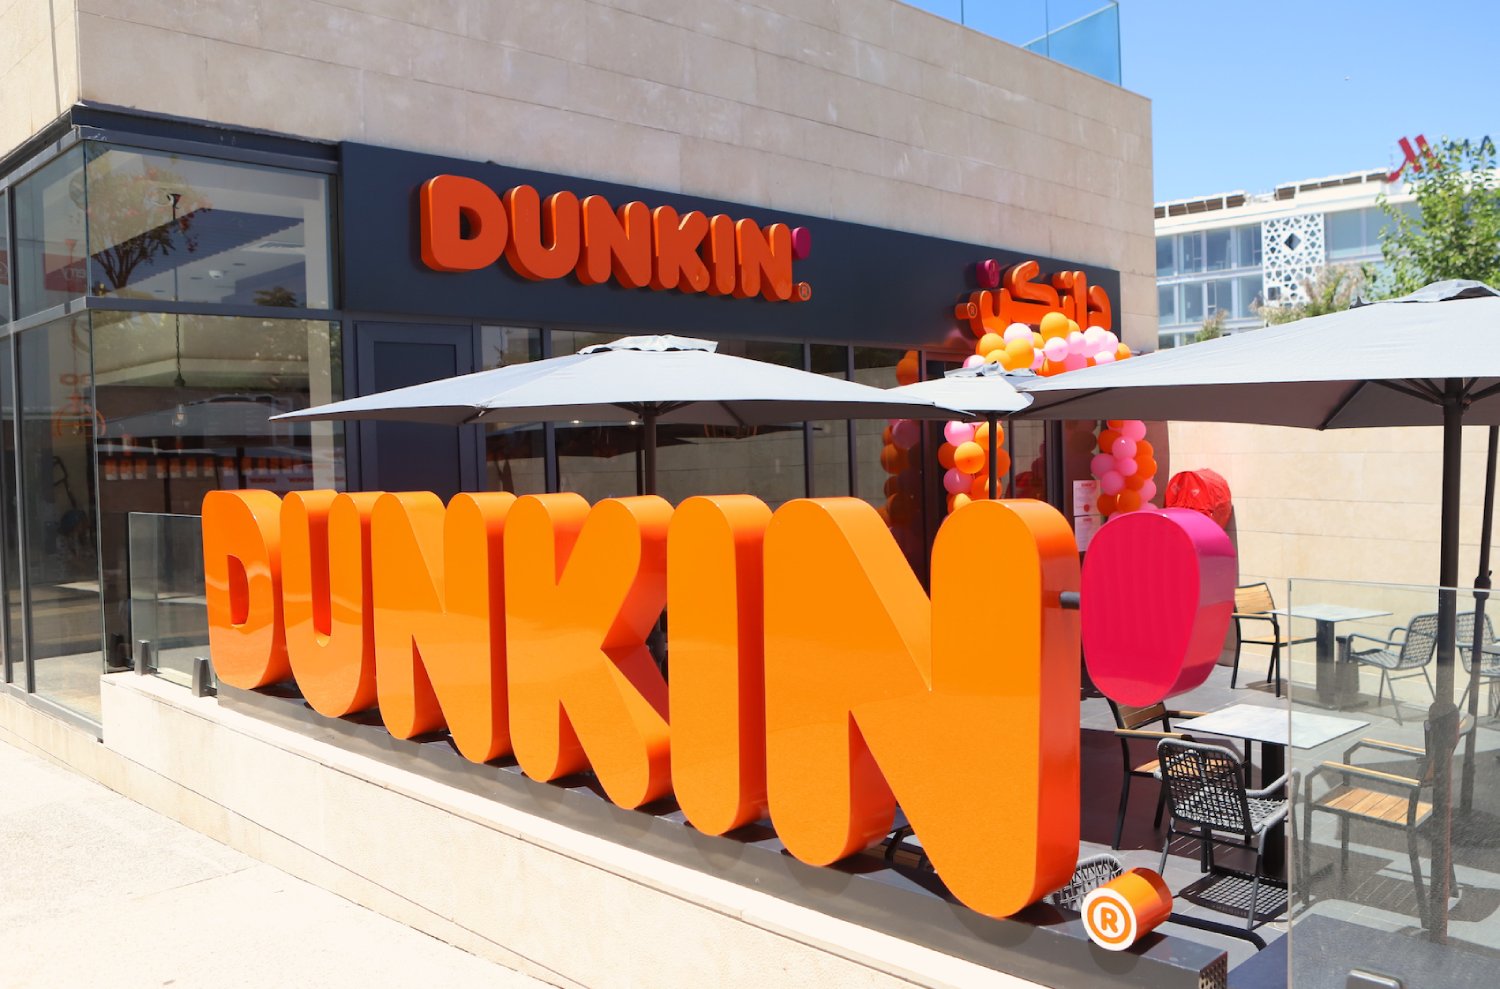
1133	429
1093	339
1036	360
1107	439
945	456
1002	463
1125	465
957	501
1122	352
1148	490
1049	368
1105	503
907	369
1053	325
995	357
1128	501
1110	340
956	480
1018	331
906	433
1075	343
1135	481
1075	361
1122	447
958	433
893	459
1110	482
1144	450
989	342
1146	465
1020	349
885	436
1073	327
982	434
1115	424
973	360
892	485
1102	462
1056	348
969	457
900	508
1103	357
980	489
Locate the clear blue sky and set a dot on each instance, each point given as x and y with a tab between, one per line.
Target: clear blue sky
1249	94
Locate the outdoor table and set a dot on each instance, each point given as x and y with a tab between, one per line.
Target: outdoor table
1274	728
1330	692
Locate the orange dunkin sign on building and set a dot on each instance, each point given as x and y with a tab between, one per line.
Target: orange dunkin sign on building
465	226
813	680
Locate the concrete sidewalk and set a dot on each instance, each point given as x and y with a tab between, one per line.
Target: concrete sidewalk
96	890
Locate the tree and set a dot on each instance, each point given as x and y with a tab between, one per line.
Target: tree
1457	234
1332	289
1213	326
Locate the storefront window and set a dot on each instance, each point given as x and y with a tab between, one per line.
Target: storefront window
58	505
1218	249
177	228
4	260
899	494
51	264
184	406
15	668
1249	297
830	437
1190	253
1166	304
1247	239
515	456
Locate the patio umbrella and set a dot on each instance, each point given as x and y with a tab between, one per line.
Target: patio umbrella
656	379
982	390
1425	359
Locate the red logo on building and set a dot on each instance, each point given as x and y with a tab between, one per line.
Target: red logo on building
1410	157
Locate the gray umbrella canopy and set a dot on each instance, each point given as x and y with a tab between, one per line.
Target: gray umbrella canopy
984	390
1426	359
659	379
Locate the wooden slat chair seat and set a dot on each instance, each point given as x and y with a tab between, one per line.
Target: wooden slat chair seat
1254	603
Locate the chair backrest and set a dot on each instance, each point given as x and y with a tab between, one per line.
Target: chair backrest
1465	635
1421	640
1205	785
1090	874
1252	599
1135	717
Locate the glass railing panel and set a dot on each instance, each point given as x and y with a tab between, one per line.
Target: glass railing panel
167	606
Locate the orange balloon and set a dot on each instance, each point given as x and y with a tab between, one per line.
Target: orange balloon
1107	440
1054	324
1049	368
907	370
1127	500
982	434
893	459
945	456
994	357
969	457
1116	424
1106	504
885	437
899	508
892	485
1144	451
957	501
1002	463
1073	327
1135	481
1122	352
980	489
1145	468
989	342
1019	350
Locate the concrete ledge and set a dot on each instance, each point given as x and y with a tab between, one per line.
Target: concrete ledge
552	880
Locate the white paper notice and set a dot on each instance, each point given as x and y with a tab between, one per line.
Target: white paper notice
1084	527
1085	497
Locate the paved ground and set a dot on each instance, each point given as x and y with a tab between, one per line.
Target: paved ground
97	890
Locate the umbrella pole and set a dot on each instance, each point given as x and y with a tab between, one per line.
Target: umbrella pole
648	421
1481	594
1443	716
994	474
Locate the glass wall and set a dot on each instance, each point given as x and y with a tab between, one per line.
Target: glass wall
830	437
4	257
515	456
185	229
51	246
59	523
10	530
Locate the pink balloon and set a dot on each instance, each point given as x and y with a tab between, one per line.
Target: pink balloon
958	433
956	481
1148	491
1104	357
973	360
1133	429
1110	341
1036	360
1075	361
1110	482
1123	448
1101	463
1075	342
905	433
1093	339
1126	466
1017	331
1055	349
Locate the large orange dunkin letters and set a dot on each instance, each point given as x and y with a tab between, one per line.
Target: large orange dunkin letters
811	676
875	695
326	598
717	690
439	618
585	588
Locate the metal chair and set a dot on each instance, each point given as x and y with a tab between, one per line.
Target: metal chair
1130	723
1090	874
1489	662
1404	654
1206	790
1376	797
1254	603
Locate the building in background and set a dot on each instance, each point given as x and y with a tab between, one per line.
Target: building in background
1235	251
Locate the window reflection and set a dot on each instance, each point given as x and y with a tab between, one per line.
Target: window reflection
830	437
515	457
4	260
899	495
188	229
185	404
9	519
50	243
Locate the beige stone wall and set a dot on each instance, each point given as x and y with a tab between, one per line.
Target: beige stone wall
864	110
1344	505
38	65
